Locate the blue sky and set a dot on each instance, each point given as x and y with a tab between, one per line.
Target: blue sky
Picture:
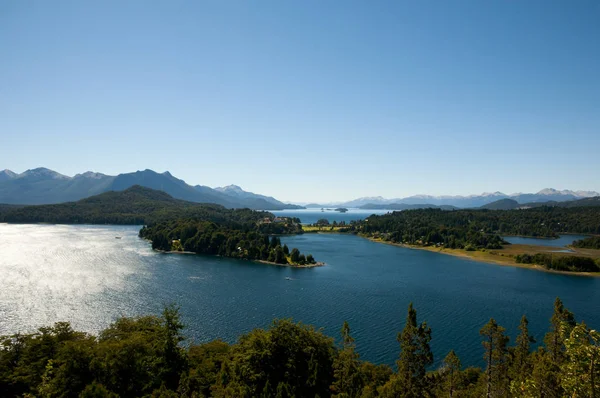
307	100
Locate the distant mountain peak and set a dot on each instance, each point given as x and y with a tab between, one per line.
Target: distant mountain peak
90	174
6	175
230	188
42	172
549	191
568	192
497	193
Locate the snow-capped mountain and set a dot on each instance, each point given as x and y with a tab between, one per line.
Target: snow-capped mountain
545	195
41	173
237	192
7	174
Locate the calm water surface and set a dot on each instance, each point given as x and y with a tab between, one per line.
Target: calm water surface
311	216
84	275
562	241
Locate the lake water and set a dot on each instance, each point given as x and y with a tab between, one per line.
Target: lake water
311	216
562	241
84	275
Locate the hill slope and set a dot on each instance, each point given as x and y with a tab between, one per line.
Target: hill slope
136	205
44	186
502	204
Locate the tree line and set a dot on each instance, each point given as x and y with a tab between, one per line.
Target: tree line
479	229
145	356
134	206
592	242
560	263
205	237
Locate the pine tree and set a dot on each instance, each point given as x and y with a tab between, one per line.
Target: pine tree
580	373
520	364
452	372
415	356
561	323
495	355
348	378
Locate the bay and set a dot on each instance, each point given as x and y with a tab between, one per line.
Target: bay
84	275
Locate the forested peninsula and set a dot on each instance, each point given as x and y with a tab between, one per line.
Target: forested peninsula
477	234
248	241
174	225
147	356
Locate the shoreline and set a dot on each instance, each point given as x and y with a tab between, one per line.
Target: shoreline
317	264
502	260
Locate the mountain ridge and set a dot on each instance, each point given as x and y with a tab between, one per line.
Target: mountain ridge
465	201
44	186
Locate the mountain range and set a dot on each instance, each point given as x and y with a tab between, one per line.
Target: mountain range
45	186
511	204
470	201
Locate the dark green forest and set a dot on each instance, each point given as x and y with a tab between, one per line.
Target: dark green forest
593	242
246	241
134	206
560	263
479	229
148	356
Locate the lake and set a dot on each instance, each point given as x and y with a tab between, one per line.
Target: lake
561	241
311	216
84	275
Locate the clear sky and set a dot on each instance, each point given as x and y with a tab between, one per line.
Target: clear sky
307	100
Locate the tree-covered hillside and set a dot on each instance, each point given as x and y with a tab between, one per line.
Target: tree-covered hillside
135	206
248	241
480	228
593	242
145	356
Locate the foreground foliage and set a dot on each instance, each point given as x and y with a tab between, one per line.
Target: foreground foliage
144	357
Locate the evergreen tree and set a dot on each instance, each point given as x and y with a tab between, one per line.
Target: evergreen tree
279	256
451	368
561	319
348	379
415	356
286	250
580	373
520	364
495	355
295	255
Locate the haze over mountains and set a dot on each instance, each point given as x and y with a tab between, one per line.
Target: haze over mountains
45	186
469	201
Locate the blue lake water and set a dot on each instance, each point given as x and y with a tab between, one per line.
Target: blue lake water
562	241
84	275
311	216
